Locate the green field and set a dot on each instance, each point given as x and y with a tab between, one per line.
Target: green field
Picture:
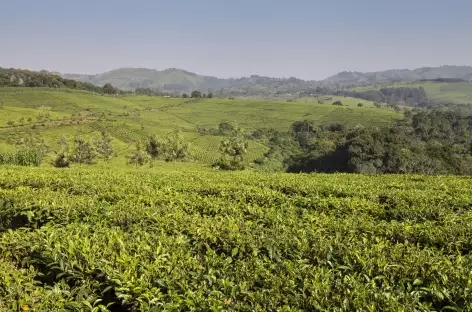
455	93
132	118
190	239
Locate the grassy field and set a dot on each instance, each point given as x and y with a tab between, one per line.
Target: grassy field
455	93
132	118
346	101
188	238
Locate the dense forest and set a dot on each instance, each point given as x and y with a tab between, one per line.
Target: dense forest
430	141
10	77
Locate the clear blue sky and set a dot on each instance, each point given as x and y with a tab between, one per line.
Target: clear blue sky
310	39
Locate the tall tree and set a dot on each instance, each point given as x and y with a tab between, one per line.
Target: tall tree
109	89
196	94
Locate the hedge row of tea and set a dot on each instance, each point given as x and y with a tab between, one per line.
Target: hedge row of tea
99	240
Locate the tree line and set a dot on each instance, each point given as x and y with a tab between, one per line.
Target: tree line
415	97
10	77
427	142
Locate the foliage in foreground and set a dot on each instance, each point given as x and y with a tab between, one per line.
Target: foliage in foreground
206	241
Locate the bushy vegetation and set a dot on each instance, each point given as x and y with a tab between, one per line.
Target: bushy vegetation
30	150
233	149
22	157
429	142
134	241
170	148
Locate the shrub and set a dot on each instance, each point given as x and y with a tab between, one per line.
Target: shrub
61	161
22	157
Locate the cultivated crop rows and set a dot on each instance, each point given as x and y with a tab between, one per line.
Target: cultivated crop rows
120	131
205	149
207	241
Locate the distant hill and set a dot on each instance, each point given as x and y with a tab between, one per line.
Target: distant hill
166	80
357	79
178	80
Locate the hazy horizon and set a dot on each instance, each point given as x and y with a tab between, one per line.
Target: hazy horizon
310	40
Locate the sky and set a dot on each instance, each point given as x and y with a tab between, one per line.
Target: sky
308	39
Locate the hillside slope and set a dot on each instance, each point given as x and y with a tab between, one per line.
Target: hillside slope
168	80
55	113
437	92
350	79
183	81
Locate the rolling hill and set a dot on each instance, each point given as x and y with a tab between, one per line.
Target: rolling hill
350	79
62	112
178	80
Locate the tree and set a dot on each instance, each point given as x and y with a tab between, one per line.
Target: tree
175	148
185	95
138	157
103	146
196	95
210	95
83	152
170	148
109	89
154	147
339	103
204	95
360	104
233	150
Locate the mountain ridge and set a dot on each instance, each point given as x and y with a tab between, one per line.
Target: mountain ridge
180	80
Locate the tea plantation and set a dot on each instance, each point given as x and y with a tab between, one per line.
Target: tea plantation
190	239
